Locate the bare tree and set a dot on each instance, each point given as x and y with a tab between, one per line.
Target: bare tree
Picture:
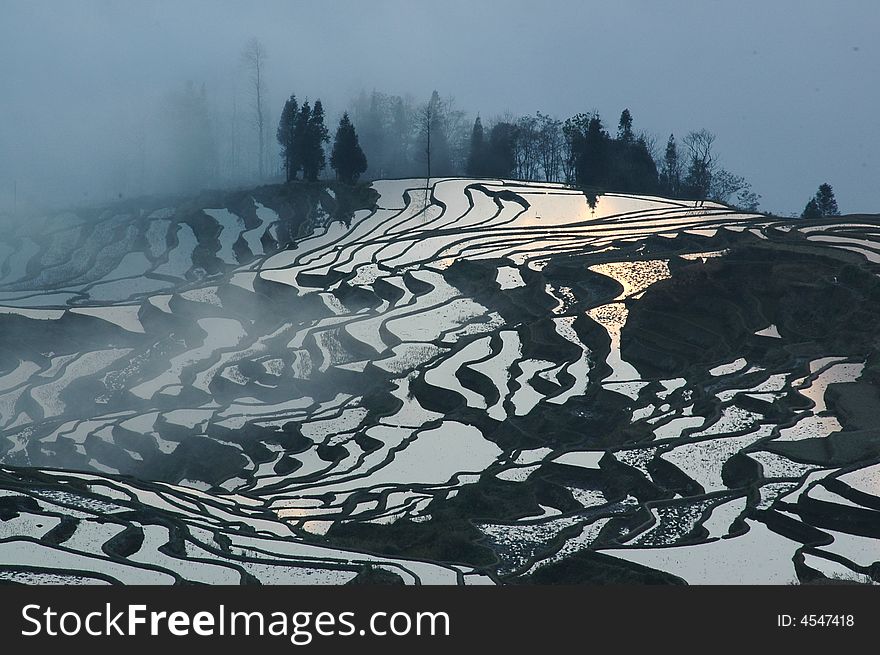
426	122
253	58
456	134
701	163
550	146
527	154
574	131
432	136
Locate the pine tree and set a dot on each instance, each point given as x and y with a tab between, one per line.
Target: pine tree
300	138
641	167
822	204
592	159
476	166
315	135
347	158
826	202
671	174
285	135
811	210
624	127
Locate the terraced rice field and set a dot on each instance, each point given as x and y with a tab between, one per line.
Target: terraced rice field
492	382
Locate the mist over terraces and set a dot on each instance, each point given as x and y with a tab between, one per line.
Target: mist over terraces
451	293
456	381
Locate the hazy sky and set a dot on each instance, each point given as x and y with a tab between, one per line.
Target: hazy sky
790	87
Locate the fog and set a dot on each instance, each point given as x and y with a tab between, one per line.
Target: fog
93	91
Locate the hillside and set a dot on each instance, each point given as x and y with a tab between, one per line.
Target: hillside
493	382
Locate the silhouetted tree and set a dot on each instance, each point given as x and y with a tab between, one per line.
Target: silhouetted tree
300	137
670	173
347	158
822	204
316	135
725	185
629	164
747	200
426	129
826	202
527	154
624	127
592	160
476	163
433	140
640	169
811	210
501	151
574	131
701	165
550	146
733	189
285	135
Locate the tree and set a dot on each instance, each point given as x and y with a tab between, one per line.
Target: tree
501	151
826	202
624	127
527	145
822	204
301	137
574	132
724	185
347	158
670	173
640	169
476	164
433	137
747	200
701	165
812	210
592	159
316	135
426	129
550	146
285	134
630	165
253	58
